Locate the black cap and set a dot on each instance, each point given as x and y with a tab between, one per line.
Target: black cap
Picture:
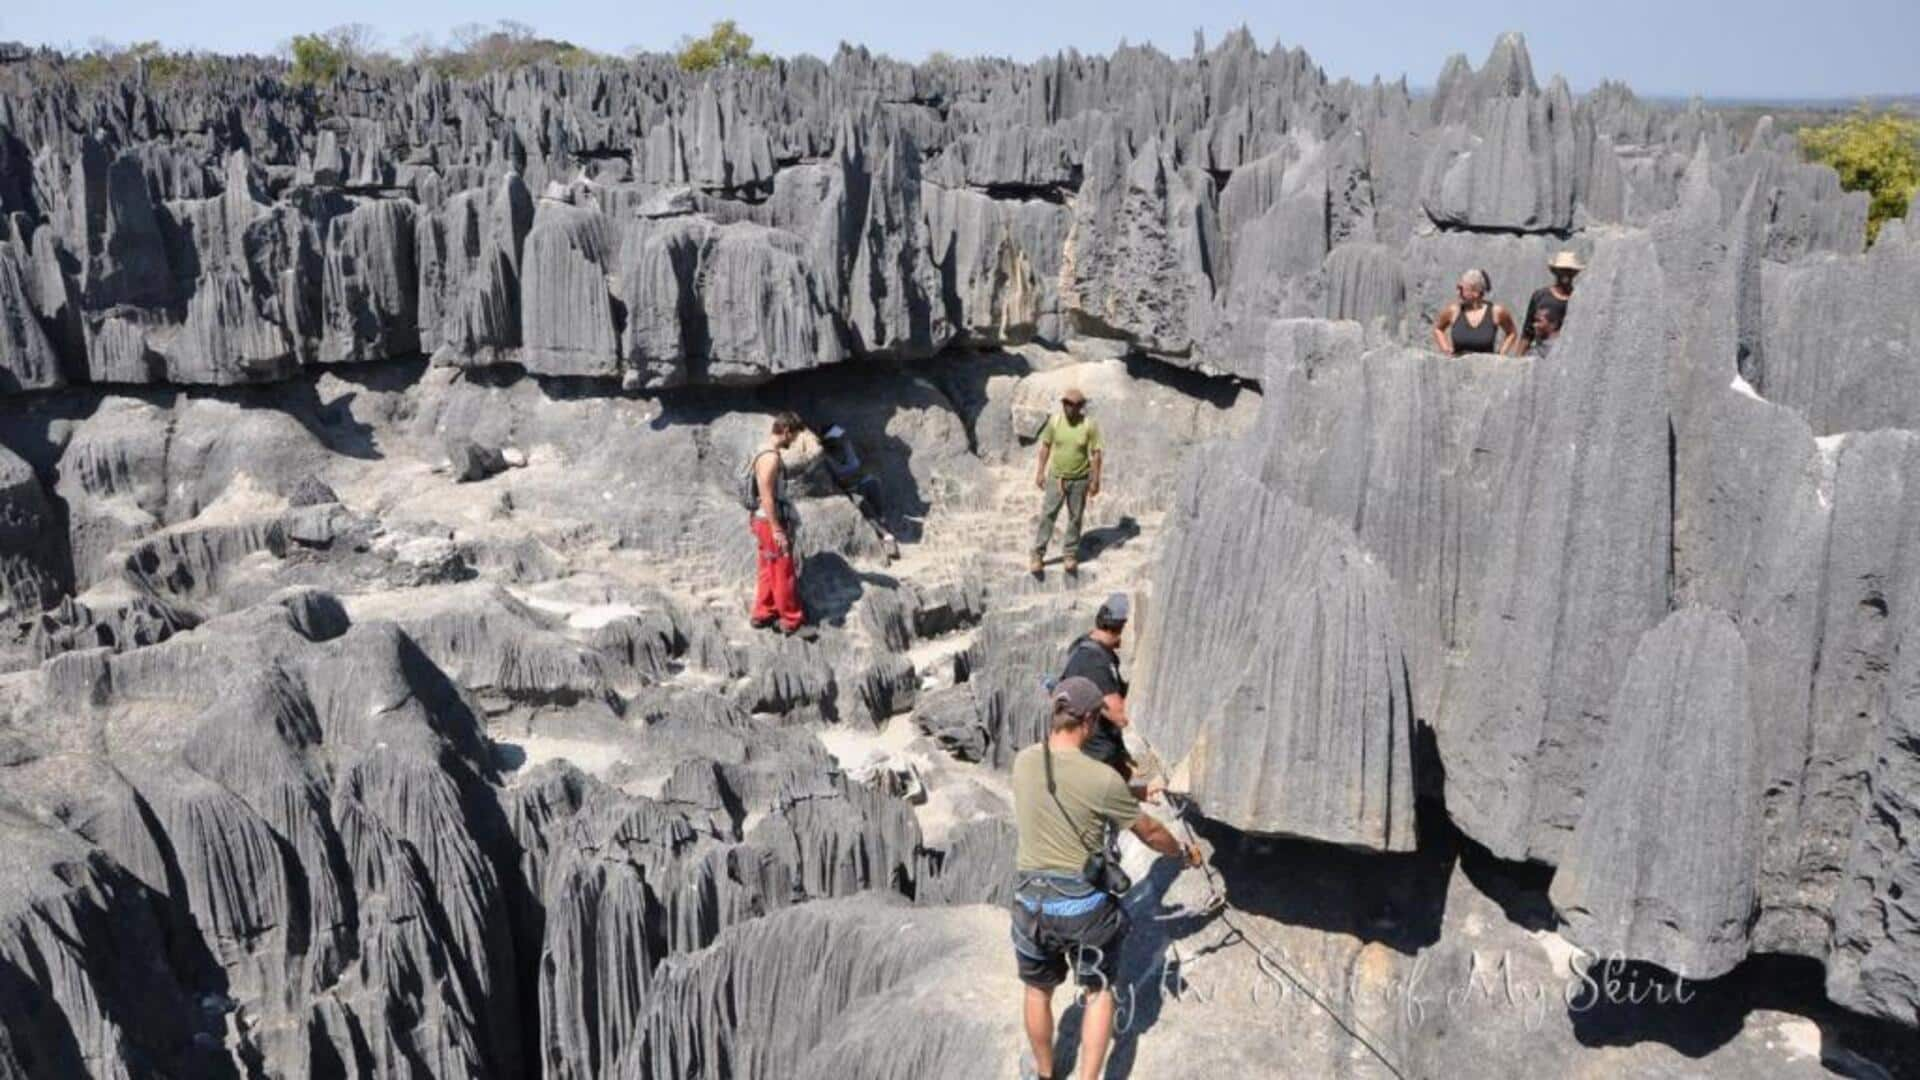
1113	612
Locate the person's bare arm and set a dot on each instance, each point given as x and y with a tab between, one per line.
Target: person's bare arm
764	471
1117	710
1441	339
1161	839
1040	470
1093	488
1503	319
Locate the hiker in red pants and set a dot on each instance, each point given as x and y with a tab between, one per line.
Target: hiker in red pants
776	597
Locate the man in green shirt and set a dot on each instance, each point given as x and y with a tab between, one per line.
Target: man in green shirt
1064	804
1069	474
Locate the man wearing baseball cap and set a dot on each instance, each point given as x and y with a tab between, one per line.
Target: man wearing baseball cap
1095	657
1069	474
1065	807
1553	299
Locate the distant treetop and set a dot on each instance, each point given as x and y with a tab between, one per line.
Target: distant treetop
1878	153
725	46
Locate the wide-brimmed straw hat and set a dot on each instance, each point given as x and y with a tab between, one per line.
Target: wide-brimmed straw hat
1567	260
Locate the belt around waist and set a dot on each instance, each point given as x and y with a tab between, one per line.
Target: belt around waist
1064	907
1082	899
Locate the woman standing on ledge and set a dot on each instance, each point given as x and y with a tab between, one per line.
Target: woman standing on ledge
1473	324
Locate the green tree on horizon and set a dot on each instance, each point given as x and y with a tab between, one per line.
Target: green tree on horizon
316	60
725	46
1878	153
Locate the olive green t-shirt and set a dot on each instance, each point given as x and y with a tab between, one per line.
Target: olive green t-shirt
1073	446
1091	794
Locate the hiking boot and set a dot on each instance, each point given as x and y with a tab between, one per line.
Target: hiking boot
760	624
1072	564
1037	565
892	545
803	631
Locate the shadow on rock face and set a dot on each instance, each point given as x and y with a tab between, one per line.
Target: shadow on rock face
507	757
1218	391
1623	1003
980	385
830	587
1396	900
333	422
1520	888
1147	968
1095	542
1147	974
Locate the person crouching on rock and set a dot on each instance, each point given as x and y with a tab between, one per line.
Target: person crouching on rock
860	486
1069	474
776	596
1473	323
1064	806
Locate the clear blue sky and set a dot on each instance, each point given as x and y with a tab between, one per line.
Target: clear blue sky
1773	48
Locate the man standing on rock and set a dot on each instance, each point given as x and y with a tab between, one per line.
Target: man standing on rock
776	597
1095	657
1064	803
1069	474
1551	299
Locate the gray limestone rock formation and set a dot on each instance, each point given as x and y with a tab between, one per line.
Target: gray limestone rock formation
894	297
849	988
30	542
987	204
566	311
1576	568
371	290
257	840
317	761
27	358
468	254
1307	729
1141	259
1837	336
734	303
1681	748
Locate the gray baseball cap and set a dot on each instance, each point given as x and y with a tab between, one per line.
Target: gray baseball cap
1079	696
1114	610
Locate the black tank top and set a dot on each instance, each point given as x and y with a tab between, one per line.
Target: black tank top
1468	338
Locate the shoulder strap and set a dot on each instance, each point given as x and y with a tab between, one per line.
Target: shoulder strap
1046	751
753	468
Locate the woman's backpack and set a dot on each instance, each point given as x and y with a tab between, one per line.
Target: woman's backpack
747	484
